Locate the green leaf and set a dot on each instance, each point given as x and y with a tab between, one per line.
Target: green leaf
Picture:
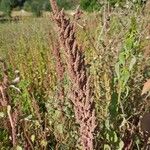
121	145
122	58
115	137
132	63
32	138
2	115
107	147
57	114
107	125
129	43
113	106
43	143
60	128
126	91
117	70
19	147
125	77
107	136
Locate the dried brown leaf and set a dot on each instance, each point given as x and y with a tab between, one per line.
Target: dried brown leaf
146	87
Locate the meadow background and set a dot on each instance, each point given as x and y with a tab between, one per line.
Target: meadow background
114	36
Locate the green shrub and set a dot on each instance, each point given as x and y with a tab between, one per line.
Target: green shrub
5	6
66	4
94	5
37	6
46	6
123	3
90	5
27	6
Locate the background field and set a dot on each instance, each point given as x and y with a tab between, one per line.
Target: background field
116	47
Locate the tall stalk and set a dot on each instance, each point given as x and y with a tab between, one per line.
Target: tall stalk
81	95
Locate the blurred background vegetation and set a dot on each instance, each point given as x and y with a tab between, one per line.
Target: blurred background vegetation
36	6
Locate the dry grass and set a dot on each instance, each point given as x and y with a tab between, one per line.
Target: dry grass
21	13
